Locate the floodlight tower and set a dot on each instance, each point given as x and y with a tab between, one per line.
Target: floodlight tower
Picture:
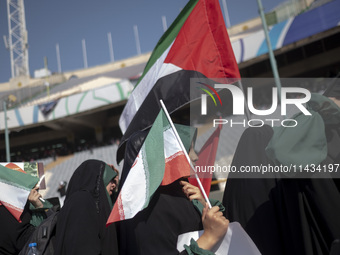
17	43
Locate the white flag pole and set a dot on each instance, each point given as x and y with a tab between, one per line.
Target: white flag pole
84	53
109	38
58	57
165	26
185	153
135	29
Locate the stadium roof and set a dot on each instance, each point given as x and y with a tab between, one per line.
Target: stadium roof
317	20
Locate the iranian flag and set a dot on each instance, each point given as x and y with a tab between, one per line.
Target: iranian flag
196	45
160	161
15	187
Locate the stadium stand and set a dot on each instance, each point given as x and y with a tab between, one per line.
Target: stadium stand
64	170
123	73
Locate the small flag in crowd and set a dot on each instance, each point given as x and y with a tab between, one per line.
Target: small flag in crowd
160	161
196	45
15	187
206	157
47	108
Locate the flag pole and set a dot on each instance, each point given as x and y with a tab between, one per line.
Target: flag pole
165	26
185	153
84	53
135	29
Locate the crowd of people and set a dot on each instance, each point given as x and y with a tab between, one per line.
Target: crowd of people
90	195
281	215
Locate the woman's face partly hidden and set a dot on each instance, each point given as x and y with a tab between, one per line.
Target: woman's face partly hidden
112	185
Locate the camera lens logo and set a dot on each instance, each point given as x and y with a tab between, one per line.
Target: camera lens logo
204	96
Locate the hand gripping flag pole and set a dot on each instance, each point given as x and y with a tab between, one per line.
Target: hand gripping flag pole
185	153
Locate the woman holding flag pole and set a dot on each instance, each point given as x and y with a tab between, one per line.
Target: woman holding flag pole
19	202
168	212
214	223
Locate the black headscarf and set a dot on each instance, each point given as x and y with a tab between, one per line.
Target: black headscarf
155	229
247	200
81	222
285	215
14	234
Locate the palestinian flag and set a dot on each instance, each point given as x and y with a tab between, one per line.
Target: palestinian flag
160	161
196	45
15	187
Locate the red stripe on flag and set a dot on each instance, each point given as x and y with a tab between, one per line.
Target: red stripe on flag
203	43
175	167
117	213
15	211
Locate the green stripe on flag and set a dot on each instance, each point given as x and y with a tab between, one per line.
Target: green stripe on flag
169	36
17	179
154	150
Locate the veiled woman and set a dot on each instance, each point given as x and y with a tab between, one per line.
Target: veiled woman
81	222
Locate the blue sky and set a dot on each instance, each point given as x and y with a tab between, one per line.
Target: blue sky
68	22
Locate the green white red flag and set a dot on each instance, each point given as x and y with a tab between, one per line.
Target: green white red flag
15	187
196	45
160	161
